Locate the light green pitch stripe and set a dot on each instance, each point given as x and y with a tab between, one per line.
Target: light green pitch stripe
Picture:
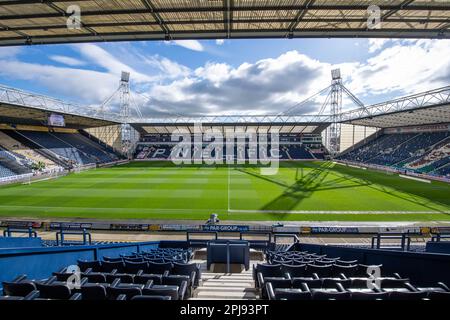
300	191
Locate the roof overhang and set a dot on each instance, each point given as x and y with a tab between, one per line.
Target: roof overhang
282	128
430	107
414	117
21	107
25	22
21	115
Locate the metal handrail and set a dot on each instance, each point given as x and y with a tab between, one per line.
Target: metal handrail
404	237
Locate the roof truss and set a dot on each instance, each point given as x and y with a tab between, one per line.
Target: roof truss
43	21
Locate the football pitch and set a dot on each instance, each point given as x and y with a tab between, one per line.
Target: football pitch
302	191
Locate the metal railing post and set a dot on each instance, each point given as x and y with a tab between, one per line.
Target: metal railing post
228	257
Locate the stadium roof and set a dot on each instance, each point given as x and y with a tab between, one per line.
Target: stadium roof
430	107
19	107
226	127
42	21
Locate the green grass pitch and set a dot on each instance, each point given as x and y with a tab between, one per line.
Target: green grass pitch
303	191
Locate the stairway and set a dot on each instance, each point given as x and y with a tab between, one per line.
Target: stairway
226	286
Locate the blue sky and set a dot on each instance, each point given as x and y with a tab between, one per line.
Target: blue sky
231	76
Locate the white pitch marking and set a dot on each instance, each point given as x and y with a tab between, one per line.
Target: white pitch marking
338	212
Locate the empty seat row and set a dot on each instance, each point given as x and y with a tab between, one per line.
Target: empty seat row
261	271
191	269
173	289
391	289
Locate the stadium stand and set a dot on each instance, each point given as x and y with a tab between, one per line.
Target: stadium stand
28	155
287	152
69	148
291	147
161	274
288	273
300	275
425	152
12	164
437	158
5	172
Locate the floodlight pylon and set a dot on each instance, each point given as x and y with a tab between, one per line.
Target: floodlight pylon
334	136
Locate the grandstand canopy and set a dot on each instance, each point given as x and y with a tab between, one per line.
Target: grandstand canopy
429	107
16	115
296	128
39	22
21	107
421	116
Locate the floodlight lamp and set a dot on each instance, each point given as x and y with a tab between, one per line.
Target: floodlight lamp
125	76
336	74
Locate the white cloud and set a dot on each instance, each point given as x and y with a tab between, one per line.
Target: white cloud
267	86
168	68
103	58
85	85
214	72
377	44
67	60
220	42
189	44
9	52
405	67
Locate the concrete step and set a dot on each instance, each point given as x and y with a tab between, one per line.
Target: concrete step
227	284
208	277
226	295
227	289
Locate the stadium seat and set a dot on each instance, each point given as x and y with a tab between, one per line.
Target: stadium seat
55	292
165	290
321	271
178	280
188	269
113	259
286	293
369	295
267	270
144	278
327	295
94	277
135	267
407	295
347	270
159	268
93	292
20	289
109	267
396	285
295	271
94	265
276	283
123	277
128	292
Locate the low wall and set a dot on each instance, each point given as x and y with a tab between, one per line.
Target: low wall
16	242
112	164
438	247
